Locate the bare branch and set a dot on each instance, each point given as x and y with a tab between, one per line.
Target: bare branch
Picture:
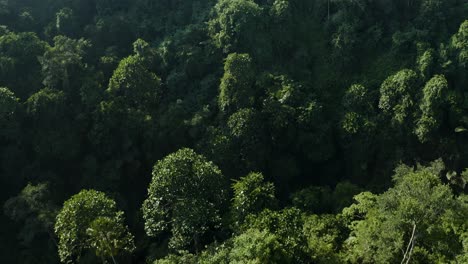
409	248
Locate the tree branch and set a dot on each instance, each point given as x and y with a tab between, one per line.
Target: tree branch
409	248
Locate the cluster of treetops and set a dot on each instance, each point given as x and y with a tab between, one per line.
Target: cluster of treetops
234	131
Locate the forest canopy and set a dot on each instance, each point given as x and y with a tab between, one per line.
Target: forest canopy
234	131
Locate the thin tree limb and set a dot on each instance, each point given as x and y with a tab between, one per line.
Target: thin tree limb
409	248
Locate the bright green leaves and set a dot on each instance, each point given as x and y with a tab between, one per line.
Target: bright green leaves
256	246
411	108
108	236
460	43
253	246
185	197
382	224
182	257
142	49
397	96
252	195
432	107
236	88
91	220
324	235
287	226
426	62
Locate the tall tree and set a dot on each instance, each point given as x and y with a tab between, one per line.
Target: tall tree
237	26
251	196
134	84
35	212
19	67
90	220
186	197
418	220
432	107
398	98
63	63
237	85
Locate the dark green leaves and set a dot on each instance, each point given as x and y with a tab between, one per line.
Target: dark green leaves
236	88
134	84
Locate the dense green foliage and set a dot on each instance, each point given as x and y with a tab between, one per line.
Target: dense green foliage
381	224
90	220
305	108
186	195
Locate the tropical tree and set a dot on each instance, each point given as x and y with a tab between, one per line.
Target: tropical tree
10	136
9	106
90	220
108	236
237	85
186	198
398	98
236	25
460	43
133	83
325	235
359	129
432	107
251	196
257	246
63	63
34	211
19	68
247	132
417	221
287	227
